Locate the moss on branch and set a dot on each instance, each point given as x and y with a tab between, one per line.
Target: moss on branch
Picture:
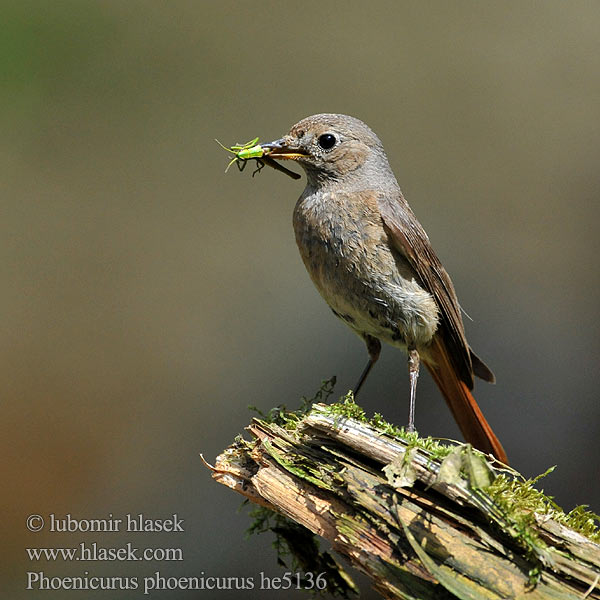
421	518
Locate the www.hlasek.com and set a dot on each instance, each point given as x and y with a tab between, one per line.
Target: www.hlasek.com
93	552
158	582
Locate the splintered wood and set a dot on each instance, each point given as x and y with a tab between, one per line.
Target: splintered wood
396	515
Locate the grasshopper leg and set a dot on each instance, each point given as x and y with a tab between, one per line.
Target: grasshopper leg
260	165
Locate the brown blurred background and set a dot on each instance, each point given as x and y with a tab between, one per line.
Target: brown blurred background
148	298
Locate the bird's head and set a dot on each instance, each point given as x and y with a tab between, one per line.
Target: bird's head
333	148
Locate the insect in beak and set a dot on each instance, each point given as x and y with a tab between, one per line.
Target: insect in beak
253	150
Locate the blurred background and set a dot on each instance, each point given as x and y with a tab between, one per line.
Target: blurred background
148	298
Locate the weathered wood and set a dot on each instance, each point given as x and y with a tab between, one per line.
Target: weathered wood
417	525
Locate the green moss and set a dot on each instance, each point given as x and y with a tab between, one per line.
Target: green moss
347	408
388	428
519	497
519	500
584	521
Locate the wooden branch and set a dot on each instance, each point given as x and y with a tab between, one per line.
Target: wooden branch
419	526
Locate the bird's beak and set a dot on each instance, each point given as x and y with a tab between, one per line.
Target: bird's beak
282	149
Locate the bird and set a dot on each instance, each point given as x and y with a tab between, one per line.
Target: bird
373	263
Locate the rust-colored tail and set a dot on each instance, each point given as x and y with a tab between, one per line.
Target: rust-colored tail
467	414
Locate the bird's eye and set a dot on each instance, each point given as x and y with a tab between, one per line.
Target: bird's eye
327	141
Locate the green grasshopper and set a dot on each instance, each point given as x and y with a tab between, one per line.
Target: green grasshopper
243	152
253	150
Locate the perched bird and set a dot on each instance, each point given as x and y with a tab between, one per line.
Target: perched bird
373	263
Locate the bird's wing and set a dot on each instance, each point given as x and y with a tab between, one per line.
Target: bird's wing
409	238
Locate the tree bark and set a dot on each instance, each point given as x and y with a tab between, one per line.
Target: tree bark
418	524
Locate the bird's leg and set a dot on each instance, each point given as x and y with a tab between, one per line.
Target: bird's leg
413	375
374	349
363	376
